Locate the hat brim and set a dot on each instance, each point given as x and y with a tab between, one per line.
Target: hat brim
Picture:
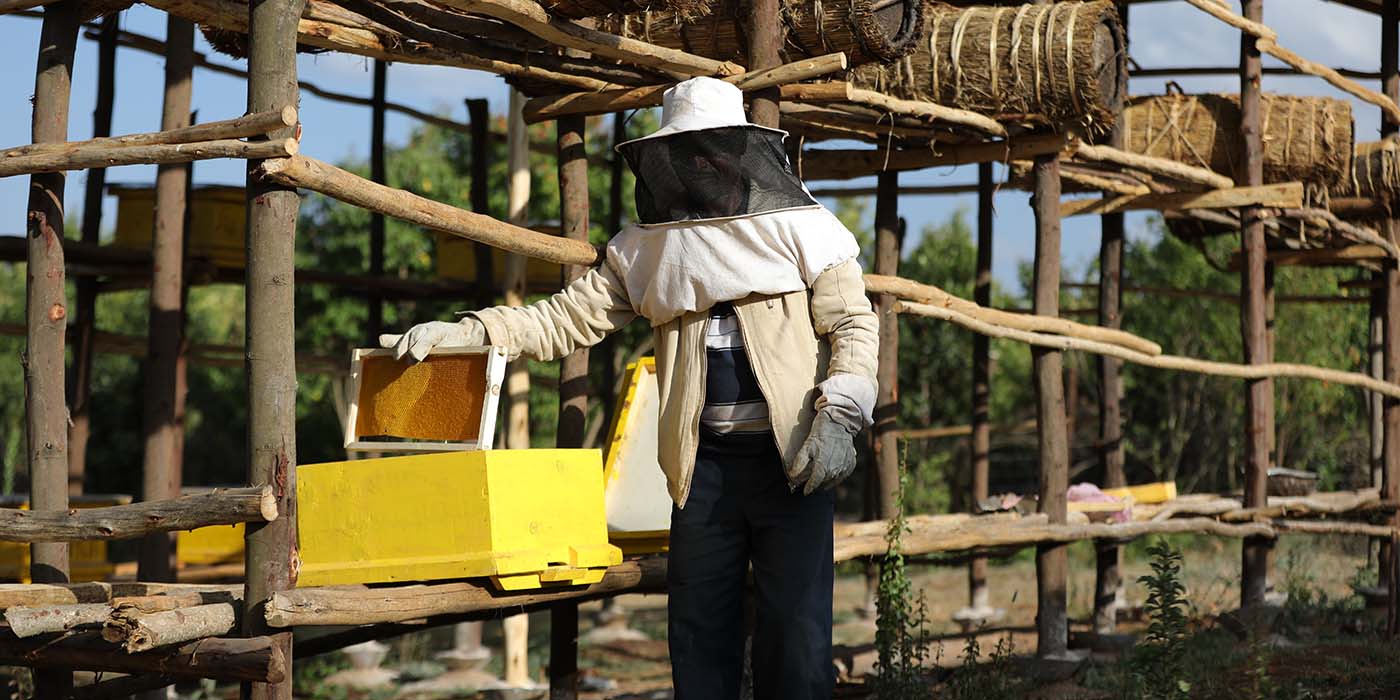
684	126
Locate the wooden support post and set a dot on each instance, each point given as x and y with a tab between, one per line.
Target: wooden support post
573	386
46	310
162	399
80	391
1051	560
765	41
1390	304
885	431
517	396
1253	288
978	597
1108	580
270	335
480	116
374	300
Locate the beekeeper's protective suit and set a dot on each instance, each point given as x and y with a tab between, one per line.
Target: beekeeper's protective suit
765	353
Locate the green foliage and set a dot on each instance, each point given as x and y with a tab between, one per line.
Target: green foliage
991	681
901	622
1158	664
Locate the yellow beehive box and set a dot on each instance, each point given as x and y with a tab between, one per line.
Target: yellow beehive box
217	218
216	544
524	518
87	559
638	504
456	260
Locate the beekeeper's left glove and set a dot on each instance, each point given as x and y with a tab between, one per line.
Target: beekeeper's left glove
422	338
829	454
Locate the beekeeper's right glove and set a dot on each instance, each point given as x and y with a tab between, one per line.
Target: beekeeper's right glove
422	338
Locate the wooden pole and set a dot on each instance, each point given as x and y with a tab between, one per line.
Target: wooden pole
46	415
885	432
162	404
1390	304
480	116
978	593
517	396
86	303
374	301
765	41
1108	580
1258	393
1052	560
573	387
270	336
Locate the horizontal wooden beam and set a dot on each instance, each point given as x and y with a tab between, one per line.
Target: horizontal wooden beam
217	507
1234	71
254	124
608	101
1322	257
533	18
834	164
904	191
1289	194
318	176
253	659
356	605
1151	164
1171	362
82	158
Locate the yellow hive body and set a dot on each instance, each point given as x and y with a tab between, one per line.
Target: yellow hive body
456	260
216	544
217	216
1159	492
525	518
638	504
87	559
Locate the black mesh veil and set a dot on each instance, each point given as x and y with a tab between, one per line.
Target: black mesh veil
711	174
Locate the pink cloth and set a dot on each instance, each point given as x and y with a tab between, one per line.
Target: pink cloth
1086	492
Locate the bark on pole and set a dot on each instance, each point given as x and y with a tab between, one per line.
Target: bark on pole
978	596
1051	561
162	405
885	431
1254	312
517	398
573	387
1108	555
1390	462
765	42
270	335
81	390
480	115
46	309
374	324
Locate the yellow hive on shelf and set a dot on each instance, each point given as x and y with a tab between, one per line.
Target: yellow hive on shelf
638	504
524	518
456	260
216	544
87	559
217	218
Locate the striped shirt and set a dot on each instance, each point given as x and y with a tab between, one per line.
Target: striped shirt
733	401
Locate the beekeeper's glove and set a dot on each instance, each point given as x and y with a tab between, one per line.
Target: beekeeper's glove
422	338
829	454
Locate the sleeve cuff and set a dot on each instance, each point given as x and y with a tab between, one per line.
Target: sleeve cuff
849	395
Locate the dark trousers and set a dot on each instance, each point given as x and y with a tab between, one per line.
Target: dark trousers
741	511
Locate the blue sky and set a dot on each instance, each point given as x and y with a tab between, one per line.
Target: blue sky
1161	34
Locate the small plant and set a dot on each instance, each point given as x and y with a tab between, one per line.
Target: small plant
901	621
990	681
1158	666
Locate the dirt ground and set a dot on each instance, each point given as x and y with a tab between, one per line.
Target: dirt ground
1321	570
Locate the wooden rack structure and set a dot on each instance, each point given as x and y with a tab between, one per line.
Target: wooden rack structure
569	70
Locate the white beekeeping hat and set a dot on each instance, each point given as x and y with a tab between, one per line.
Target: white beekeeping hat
698	104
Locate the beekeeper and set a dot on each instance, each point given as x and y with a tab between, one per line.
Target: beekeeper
765	359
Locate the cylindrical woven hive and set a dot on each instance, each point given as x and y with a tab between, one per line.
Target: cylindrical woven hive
1060	61
575	9
1306	139
866	30
1375	171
